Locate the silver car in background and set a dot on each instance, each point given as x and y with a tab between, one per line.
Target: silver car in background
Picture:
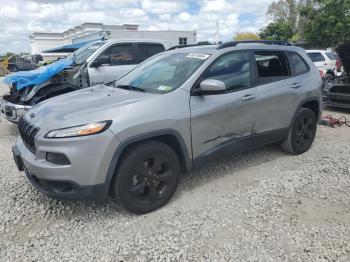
132	138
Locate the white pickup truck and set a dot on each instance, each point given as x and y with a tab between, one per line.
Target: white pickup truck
95	63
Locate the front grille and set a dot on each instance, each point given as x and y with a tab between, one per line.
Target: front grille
27	132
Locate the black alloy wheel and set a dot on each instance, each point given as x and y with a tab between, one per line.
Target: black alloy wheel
147	177
151	180
302	133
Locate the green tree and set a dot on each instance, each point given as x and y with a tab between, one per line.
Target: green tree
246	36
284	10
327	22
287	23
279	30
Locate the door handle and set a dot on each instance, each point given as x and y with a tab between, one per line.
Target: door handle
248	97
295	85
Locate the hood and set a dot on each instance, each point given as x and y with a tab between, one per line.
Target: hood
84	106
24	79
343	52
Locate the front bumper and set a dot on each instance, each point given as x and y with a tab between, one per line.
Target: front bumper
66	190
12	112
83	179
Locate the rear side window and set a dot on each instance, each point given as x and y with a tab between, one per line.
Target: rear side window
271	66
297	65
145	51
316	57
233	69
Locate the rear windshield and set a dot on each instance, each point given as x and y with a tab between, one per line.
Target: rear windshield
316	57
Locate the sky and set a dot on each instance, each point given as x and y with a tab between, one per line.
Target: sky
20	18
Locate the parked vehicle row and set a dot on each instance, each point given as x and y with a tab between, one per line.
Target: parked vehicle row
325	61
336	91
95	63
131	138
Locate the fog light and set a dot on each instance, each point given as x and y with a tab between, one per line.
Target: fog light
57	158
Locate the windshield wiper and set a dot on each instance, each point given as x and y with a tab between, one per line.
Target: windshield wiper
132	88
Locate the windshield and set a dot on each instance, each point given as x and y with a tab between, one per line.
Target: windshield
163	73
80	55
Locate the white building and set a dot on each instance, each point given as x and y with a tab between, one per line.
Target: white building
41	42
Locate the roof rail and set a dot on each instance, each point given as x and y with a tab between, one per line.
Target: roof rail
183	46
266	42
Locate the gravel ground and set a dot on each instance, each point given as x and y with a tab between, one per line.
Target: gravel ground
263	205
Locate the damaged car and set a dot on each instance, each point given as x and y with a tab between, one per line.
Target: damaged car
336	91
95	63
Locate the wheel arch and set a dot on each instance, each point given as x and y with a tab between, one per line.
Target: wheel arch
170	137
313	103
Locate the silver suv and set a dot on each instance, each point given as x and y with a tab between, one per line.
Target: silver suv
133	137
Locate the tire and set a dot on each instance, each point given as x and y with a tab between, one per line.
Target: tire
302	132
147	177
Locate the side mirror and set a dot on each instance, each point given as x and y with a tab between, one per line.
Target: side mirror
212	85
101	60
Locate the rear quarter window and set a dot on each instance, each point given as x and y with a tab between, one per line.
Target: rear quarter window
297	64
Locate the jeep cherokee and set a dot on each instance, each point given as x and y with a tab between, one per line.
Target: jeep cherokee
133	137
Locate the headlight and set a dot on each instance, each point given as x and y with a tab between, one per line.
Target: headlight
83	130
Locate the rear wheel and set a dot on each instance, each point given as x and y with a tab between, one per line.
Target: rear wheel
147	177
302	133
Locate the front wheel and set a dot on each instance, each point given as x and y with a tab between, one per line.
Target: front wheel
302	132
147	177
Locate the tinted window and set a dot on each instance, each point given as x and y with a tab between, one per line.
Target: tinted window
271	66
120	54
316	57
233	69
297	64
147	50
